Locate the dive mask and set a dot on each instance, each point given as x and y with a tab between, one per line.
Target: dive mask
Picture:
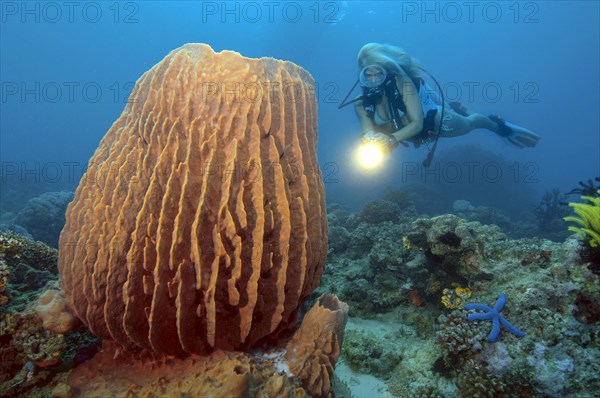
372	76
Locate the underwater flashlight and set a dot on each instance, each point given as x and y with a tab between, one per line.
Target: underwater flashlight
370	155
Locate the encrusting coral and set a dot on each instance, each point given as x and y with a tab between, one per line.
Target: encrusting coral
454	299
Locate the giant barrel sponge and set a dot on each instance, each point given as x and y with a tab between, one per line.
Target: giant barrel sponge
200	223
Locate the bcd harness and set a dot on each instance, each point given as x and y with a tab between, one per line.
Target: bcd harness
373	96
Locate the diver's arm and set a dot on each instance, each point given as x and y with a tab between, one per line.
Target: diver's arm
414	110
366	123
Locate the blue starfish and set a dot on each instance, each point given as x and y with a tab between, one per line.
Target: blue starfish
494	315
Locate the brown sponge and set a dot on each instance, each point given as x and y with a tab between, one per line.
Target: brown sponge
200	223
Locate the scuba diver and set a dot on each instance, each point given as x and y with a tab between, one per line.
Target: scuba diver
395	105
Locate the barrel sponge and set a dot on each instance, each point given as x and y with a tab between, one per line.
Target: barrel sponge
200	223
312	352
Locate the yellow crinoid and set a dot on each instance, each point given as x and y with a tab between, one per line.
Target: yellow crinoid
589	219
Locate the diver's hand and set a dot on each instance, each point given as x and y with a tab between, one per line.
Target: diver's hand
369	136
375	137
385	141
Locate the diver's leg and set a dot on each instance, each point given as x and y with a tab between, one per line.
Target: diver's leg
455	125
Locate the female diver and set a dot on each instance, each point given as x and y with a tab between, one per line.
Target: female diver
395	106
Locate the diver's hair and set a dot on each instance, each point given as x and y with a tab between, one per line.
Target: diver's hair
391	58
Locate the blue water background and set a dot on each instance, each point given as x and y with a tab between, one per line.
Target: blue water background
544	56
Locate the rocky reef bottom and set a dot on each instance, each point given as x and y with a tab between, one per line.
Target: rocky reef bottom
436	306
446	307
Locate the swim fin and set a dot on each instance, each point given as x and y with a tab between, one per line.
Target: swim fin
515	135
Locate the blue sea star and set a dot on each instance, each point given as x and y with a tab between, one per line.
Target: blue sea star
494	315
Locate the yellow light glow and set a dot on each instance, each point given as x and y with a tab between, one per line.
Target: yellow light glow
370	155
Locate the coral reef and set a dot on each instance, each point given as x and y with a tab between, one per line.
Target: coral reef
30	355
407	274
26	267
200	223
44	217
198	237
378	211
395	274
15	248
458	338
371	279
6	228
475	380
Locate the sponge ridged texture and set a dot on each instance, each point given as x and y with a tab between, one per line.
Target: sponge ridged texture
200	223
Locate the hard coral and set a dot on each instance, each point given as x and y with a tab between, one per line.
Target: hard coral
454	245
53	311
367	353
25	269
16	249
200	224
379	211
474	381
44	217
458	338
